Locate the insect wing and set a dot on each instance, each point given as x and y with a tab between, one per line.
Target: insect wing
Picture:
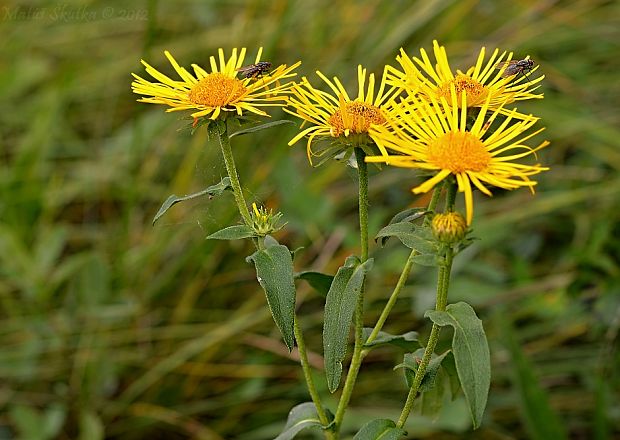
247	70
512	67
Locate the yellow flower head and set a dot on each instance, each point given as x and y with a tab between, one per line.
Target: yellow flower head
435	137
481	83
336	116
210	93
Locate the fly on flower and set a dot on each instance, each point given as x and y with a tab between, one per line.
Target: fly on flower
255	70
515	67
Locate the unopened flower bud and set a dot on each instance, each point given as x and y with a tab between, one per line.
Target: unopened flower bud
264	221
449	227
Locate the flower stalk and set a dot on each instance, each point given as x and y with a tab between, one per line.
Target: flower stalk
305	366
231	169
441	301
356	360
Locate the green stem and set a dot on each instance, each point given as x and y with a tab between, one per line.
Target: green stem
356	359
443	283
402	279
450	196
229	161
362	171
305	366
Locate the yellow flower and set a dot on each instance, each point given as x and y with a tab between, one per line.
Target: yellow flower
481	83
336	116
434	137
211	93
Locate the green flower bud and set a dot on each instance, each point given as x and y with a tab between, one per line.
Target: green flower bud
264	221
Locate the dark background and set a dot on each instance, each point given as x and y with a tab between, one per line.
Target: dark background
111	327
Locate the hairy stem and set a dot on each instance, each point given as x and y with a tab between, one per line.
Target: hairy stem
305	366
229	161
443	283
356	360
402	280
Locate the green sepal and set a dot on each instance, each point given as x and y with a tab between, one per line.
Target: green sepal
212	191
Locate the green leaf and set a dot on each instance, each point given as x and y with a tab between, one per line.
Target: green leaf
299	418
274	271
407	215
235	232
382	429
260	127
540	419
432	400
412	236
407	341
339	307
449	366
411	362
471	354
320	282
213	190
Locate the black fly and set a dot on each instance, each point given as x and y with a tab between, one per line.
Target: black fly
515	67
255	70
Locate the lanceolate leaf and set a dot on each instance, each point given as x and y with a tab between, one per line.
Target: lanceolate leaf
235	232
339	306
213	190
274	271
471	354
408	215
412	236
407	341
380	429
260	127
299	418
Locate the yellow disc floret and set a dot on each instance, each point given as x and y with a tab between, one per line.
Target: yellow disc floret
458	152
476	92
356	117
217	90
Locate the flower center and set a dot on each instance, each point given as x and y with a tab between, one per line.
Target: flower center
476	93
216	90
356	117
458	151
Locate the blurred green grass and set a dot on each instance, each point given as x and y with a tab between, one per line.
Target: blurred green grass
111	327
